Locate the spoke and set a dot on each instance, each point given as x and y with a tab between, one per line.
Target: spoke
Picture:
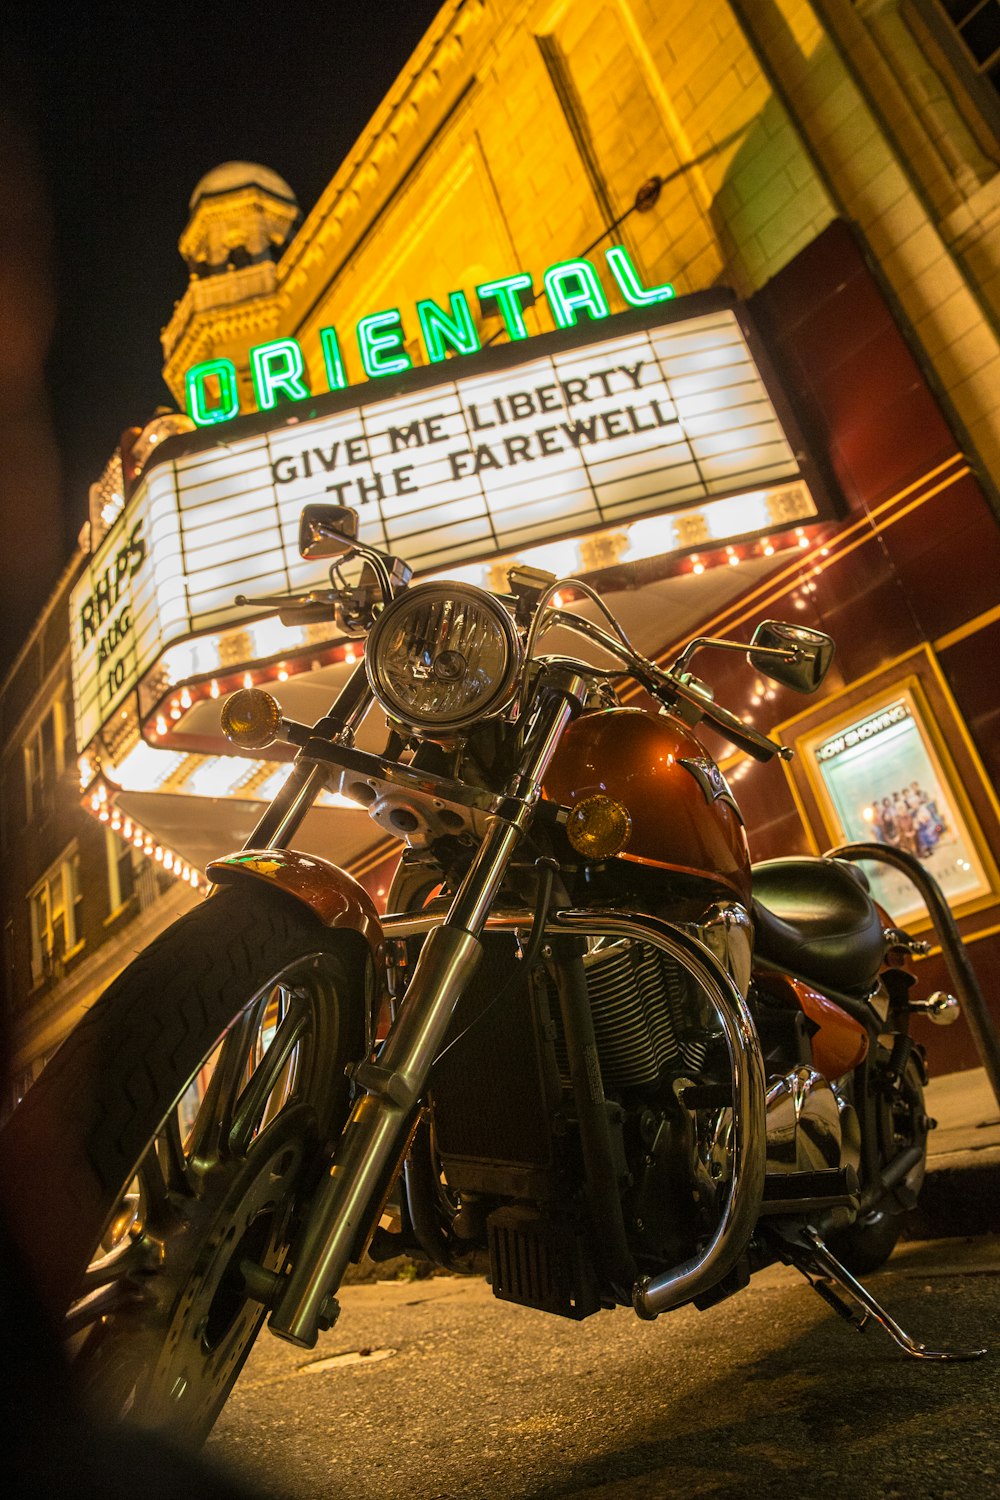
150	1173
101	1302
249	1110
207	1143
172	1159
132	1256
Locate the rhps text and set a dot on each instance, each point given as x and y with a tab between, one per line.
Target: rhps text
106	613
278	369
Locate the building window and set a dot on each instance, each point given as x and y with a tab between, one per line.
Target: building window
962	40
54	911
977	23
132	877
48	751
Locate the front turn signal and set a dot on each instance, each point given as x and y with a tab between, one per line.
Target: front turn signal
251	718
599	827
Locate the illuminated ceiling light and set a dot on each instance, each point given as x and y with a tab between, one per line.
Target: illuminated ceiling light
175	713
248	679
350	655
732	557
697	566
185	699
283	673
161	724
214	689
768	549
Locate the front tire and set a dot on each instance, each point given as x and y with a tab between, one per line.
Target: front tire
169	1144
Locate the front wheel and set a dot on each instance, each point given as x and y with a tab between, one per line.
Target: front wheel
166	1149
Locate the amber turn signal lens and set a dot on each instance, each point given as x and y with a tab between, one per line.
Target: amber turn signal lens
251	718
599	827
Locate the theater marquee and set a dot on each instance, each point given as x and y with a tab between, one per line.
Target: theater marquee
663	414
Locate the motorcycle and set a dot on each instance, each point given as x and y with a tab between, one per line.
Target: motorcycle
589	1052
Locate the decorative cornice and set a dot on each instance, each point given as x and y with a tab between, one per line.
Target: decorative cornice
435	74
204	330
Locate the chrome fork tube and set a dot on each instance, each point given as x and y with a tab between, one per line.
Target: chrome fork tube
283	819
341	1211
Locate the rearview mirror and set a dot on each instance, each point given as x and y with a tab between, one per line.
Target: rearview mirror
794	655
327	530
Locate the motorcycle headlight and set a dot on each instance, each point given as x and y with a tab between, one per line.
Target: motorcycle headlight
443	655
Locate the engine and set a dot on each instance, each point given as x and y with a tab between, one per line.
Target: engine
508	1140
505	1126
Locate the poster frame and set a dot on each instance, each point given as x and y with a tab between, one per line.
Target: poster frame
966	789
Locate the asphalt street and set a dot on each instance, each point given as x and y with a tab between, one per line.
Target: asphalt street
433	1389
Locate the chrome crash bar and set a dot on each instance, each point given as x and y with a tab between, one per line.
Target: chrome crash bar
653	1295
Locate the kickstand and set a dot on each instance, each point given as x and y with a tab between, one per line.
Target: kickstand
821	1267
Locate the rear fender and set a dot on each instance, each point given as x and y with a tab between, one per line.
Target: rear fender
332	895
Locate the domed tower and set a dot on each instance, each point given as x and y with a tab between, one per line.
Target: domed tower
242	215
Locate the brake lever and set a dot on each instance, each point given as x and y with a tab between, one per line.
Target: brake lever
743	736
288	601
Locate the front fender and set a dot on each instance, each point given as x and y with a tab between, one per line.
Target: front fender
331	894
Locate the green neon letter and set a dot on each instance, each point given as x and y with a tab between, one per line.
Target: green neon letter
454	328
336	376
200	412
628	281
571	287
380	340
506	292
277	370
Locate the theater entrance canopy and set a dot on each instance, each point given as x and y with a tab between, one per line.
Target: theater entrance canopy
642	447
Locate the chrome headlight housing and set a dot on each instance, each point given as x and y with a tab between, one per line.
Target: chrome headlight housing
443	655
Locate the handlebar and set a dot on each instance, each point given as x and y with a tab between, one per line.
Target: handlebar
390	575
742	735
668	686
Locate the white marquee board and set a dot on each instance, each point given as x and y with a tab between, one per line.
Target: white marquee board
467	467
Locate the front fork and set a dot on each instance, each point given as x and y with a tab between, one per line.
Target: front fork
374	1138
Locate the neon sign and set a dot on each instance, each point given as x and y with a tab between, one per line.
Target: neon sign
278	369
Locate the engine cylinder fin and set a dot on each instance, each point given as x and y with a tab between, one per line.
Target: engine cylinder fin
639	1002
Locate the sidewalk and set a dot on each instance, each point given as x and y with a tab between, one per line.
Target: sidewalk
961	1193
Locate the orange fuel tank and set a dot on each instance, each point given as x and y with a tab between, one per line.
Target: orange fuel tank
684	817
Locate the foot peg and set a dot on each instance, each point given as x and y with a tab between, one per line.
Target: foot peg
809	1254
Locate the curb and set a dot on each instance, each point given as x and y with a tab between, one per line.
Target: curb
960	1196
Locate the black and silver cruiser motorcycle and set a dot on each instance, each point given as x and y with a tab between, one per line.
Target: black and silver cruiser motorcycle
619	1066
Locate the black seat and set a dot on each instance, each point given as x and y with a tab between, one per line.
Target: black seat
816	918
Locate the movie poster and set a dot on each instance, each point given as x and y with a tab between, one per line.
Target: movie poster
885	783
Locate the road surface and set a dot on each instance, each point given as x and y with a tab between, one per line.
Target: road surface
433	1389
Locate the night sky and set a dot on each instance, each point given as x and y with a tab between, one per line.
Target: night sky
108	118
